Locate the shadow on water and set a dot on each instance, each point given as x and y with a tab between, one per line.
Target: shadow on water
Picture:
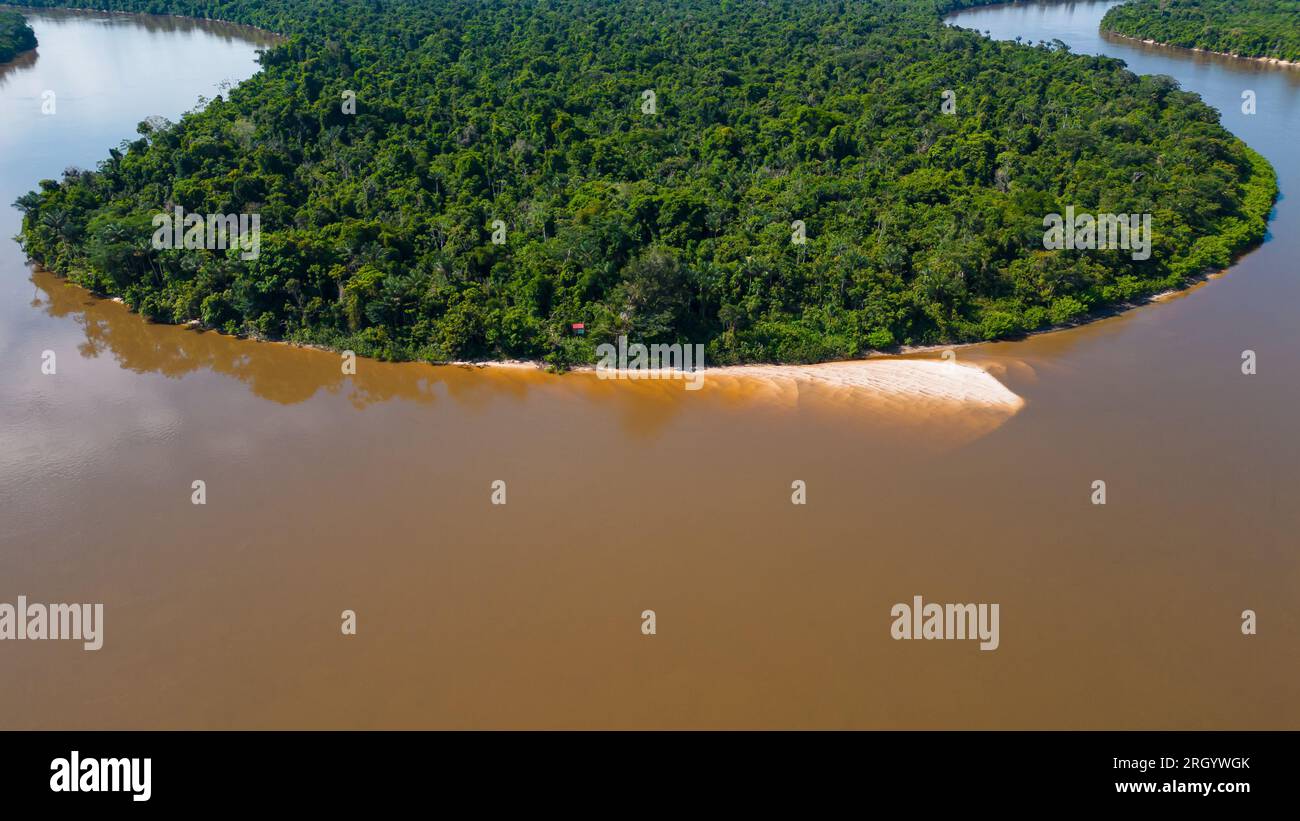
153	24
23	62
289	375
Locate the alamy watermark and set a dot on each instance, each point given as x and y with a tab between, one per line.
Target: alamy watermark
920	620
208	231
656	361
1086	232
78	622
77	774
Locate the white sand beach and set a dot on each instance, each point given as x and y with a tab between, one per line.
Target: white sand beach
931	380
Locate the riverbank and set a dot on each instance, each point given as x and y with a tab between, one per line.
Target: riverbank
67	10
16	37
1266	31
1273	61
936	380
943	380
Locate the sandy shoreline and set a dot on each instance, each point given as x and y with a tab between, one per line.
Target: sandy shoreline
934	380
941	380
894	375
1275	61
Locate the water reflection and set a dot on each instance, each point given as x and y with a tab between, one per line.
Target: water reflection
927	405
23	62
287	375
1202	59
156	24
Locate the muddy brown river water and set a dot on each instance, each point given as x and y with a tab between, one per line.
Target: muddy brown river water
329	492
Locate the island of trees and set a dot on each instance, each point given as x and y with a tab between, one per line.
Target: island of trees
1243	28
467	179
15	35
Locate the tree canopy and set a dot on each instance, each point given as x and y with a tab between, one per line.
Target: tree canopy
648	162
15	35
1246	28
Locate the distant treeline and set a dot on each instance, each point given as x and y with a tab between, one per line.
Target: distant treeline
649	169
1246	28
15	35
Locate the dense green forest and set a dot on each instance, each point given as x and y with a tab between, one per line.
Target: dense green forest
1246	28
666	218
15	35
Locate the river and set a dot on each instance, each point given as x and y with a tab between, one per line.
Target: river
328	492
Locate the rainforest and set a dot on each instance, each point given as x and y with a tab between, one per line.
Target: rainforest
784	181
1245	28
15	35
